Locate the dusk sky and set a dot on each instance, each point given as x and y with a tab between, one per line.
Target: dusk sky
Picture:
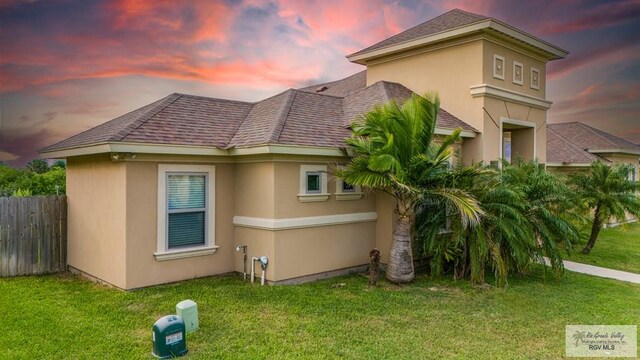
69	65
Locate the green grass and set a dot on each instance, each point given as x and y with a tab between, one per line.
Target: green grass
62	316
616	248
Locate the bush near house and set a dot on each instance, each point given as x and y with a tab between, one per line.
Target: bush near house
526	213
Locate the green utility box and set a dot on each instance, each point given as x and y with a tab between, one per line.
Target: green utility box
169	337
188	309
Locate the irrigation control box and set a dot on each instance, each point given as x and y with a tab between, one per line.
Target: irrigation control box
169	338
188	309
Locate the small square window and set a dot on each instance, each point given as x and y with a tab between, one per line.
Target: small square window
313	182
346	187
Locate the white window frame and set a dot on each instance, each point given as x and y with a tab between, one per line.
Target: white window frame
532	84
354	194
517	65
306	196
496	74
162	249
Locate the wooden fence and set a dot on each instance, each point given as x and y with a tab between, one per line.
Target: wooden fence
33	235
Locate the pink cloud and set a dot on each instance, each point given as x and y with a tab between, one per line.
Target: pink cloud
603	15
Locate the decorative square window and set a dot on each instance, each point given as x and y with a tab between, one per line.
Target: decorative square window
346	191
518	73
313	183
498	67
535	78
186	211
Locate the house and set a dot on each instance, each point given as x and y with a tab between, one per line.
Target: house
169	191
574	146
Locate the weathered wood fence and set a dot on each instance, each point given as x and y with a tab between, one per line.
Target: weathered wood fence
33	235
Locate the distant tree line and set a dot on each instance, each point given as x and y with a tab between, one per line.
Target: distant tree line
38	178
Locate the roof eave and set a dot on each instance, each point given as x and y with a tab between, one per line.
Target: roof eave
553	52
615	150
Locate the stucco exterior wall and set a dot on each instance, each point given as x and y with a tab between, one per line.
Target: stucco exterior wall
510	54
96	219
287	204
142	267
301	252
449	69
255	184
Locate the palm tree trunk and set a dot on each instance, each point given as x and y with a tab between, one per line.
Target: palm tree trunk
400	267
595	230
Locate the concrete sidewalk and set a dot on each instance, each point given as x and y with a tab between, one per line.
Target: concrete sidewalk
600	271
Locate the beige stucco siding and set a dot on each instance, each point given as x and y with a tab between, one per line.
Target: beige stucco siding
96	219
301	252
142	267
255	184
287	204
490	49
448	70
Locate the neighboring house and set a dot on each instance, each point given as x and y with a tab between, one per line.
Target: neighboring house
167	192
575	145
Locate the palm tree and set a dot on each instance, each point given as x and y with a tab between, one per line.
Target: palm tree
394	152
607	191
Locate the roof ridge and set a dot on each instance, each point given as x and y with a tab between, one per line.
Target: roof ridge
602	134
213	98
144	117
282	117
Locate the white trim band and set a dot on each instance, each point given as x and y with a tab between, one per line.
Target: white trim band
508	95
303	222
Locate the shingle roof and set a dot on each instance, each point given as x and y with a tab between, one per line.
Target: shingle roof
294	117
177	119
590	138
342	87
561	150
447	21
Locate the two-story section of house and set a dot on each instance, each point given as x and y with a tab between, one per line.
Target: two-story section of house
488	73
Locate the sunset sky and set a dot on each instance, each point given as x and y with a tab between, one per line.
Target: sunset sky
68	65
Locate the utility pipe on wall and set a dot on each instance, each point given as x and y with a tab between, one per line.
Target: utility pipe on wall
244	260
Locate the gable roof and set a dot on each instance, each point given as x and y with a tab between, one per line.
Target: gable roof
447	21
449	25
590	139
295	117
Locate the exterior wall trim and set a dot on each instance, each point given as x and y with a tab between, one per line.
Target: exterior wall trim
303	222
508	95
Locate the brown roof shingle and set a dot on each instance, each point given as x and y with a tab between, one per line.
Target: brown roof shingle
590	138
294	117
447	21
561	150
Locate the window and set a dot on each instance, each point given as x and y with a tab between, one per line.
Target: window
186	211
346	191
313	183
518	73
498	67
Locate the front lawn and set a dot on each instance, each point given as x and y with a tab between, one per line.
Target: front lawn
616	248
63	316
